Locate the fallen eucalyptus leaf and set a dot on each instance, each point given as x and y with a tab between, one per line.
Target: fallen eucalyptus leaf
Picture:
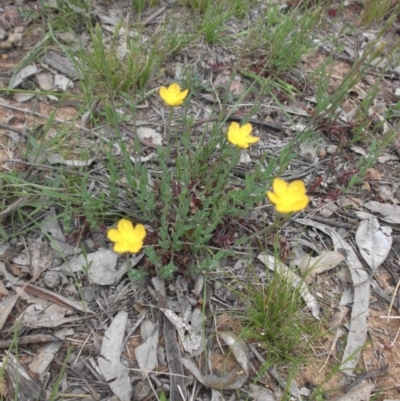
311	266
231	380
389	213
362	392
374	242
146	353
115	373
20	77
149	135
360	311
191	342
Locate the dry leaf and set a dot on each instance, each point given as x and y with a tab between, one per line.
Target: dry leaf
362	392
53	297
146	353
45	354
312	266
389	213
115	373
6	307
38	315
231	380
20	386
374	175
100	264
45	80
191	342
259	393
51	226
374	242
360	311
40	256
3	290
149	135
25	73
337	318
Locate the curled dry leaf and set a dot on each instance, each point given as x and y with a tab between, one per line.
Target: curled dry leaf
361	392
231	380
361	283
6	307
389	213
146	353
311	266
25	73
374	242
148	136
38	315
19	384
115	373
44	355
192	342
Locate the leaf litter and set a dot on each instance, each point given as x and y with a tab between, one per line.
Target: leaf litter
36	307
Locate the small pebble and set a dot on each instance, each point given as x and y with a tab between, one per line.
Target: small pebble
88	294
331	149
52	280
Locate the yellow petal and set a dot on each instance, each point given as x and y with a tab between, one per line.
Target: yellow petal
234	128
283	208
234	134
183	94
125	227
273	197
246	129
280	187
164	93
140	232
252	139
135	247
174	89
302	203
114	235
297	187
121	247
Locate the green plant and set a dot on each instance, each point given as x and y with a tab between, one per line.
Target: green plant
140	5
276	318
376	10
280	40
111	68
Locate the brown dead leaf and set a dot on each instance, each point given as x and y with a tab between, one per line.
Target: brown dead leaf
40	255
3	290
237	88
19	384
6	307
374	175
38	315
337	318
56	298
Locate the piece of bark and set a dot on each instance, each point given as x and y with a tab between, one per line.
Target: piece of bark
177	383
61	64
18	382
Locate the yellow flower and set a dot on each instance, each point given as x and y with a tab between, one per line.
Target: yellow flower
127	238
288	198
173	95
240	135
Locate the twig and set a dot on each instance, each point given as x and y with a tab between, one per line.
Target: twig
332	222
153	16
11	128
